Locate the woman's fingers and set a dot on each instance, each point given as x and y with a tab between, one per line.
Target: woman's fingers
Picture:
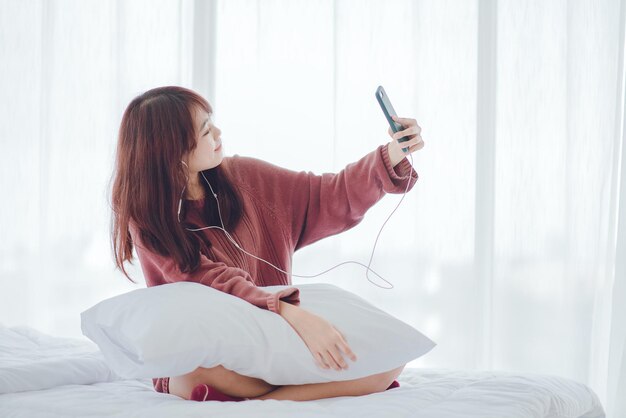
343	346
412	131
346	349
409	126
337	362
419	145
404	121
336	351
321	361
333	358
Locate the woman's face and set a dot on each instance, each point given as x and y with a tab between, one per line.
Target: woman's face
208	152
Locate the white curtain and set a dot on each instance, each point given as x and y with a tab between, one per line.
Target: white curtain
510	252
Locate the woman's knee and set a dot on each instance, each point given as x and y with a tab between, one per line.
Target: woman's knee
396	372
381	381
391	375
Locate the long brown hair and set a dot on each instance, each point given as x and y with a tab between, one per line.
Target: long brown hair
156	131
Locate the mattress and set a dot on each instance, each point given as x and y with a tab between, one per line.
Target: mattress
48	376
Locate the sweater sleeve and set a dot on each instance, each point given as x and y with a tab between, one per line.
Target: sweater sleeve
160	269
313	206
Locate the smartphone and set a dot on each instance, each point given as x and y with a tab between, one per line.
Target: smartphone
388	110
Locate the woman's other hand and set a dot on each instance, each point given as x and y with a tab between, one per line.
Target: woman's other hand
325	342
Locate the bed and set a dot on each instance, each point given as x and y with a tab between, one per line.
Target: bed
48	376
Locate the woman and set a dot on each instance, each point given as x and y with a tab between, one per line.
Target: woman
172	181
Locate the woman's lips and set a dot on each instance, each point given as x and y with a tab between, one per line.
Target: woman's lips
218	147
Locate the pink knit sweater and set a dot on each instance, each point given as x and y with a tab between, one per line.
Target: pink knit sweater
283	211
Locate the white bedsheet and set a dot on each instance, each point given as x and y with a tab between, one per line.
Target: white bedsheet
44	376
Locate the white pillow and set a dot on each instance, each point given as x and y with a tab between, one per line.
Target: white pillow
171	329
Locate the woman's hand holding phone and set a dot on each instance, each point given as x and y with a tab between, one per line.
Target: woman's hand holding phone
415	142
405	130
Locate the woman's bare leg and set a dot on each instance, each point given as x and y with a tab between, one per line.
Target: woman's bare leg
356	387
234	384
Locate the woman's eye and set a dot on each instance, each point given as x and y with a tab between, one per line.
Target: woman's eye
207	132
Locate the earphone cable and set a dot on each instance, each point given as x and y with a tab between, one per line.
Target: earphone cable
277	268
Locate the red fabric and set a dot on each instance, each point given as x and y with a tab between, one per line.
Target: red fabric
395	384
284	211
162	384
202	393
